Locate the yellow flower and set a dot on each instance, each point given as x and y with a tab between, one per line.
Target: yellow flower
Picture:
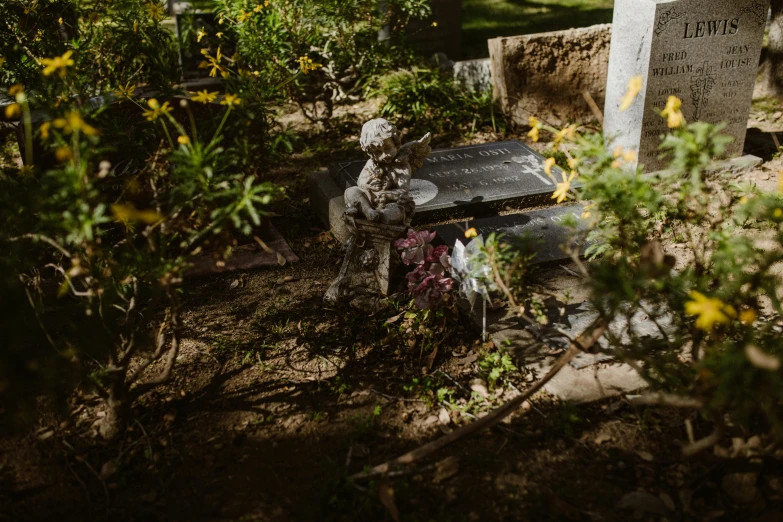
63	154
16	90
629	156
634	88
572	163
586	212
434	24
135	27
204	96
617	152
157	109
534	131
73	122
244	15
471	232
307	65
220	20
125	91
266	3
45	126
219	34
569	132
124	212
230	100
13	111
57	64
154	10
561	192
201	34
258	8
215	63
778	213
747	316
183	140
256	73
672	111
548	164
60	20
709	310
31	9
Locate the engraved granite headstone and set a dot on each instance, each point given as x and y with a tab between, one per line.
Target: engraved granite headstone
704	52
471	181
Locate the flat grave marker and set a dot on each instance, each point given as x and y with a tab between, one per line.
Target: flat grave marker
543	227
704	52
470	181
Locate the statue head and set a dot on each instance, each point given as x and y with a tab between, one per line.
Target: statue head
381	140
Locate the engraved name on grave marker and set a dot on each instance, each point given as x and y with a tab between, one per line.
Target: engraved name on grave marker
704	52
475	180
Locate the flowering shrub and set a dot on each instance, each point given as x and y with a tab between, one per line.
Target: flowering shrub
321	51
693	250
428	281
109	43
101	221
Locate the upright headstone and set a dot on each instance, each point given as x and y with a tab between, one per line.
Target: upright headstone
545	74
704	52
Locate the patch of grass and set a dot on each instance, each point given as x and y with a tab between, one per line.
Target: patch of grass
485	19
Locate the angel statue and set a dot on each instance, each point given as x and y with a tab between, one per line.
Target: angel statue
382	193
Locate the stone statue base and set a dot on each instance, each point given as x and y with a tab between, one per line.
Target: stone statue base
370	259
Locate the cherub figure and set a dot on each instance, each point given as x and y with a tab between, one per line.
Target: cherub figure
382	193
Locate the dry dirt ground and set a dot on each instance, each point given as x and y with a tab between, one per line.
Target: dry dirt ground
276	400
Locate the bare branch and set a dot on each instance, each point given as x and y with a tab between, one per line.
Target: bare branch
171	358
703	444
161	342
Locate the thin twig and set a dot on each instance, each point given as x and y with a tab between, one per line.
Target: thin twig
593	106
98	476
393	398
80	481
45	239
588	338
667	399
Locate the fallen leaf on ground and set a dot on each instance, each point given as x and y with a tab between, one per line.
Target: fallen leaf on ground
603	437
446	468
431	358
645	455
386	496
643	502
394	319
443	416
480	389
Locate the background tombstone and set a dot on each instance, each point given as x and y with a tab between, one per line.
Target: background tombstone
544	74
704	52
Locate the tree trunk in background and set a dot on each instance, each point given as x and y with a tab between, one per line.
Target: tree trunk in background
772	74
